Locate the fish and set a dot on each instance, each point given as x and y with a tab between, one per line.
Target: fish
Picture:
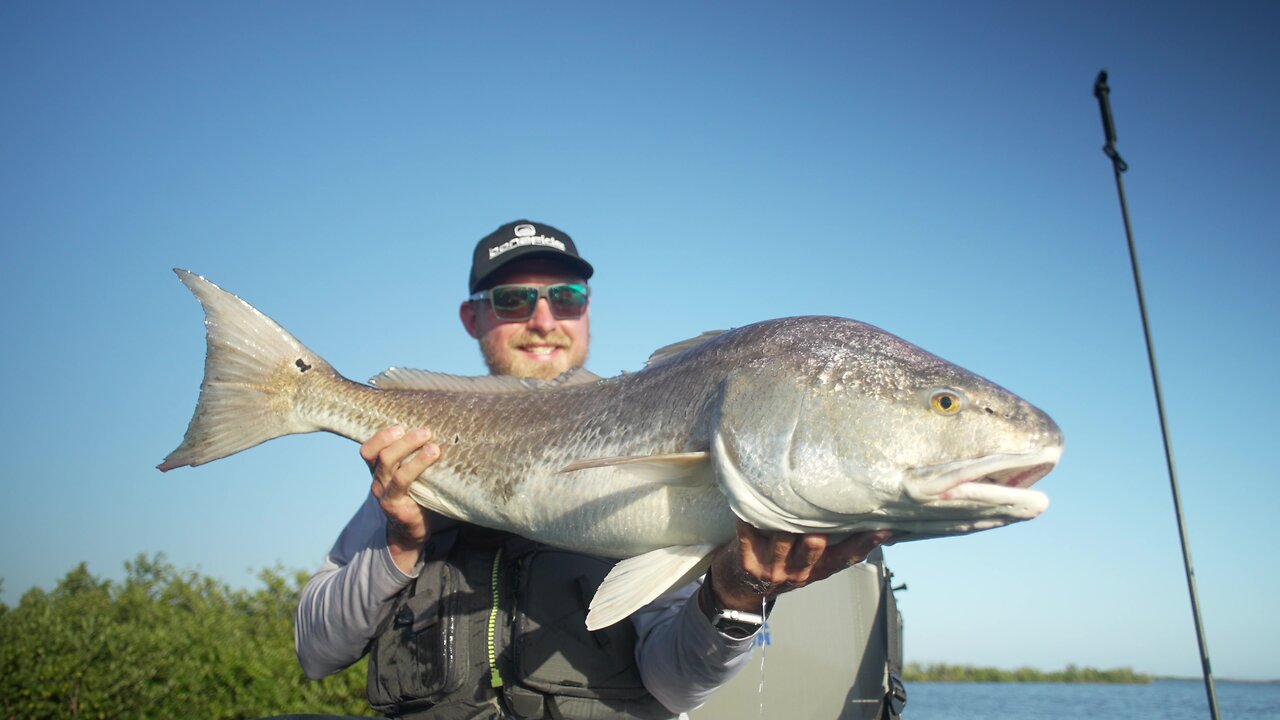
801	424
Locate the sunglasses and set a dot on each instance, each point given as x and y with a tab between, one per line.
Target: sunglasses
516	303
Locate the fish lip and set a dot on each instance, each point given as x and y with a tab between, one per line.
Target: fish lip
1005	475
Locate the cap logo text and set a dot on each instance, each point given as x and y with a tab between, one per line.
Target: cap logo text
525	235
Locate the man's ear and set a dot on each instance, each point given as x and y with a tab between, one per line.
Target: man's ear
467	312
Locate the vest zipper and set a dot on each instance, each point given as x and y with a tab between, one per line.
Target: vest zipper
495	678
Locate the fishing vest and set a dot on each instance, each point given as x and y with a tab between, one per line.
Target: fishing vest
494	626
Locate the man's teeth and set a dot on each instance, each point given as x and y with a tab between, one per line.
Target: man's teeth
540	349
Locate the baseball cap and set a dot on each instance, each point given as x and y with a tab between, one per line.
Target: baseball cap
522	239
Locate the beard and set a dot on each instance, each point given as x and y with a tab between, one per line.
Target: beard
506	357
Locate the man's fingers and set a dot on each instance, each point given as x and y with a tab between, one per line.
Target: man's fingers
768	564
806	553
851	551
395	453
865	543
756	550
413	466
374	446
779	555
396	458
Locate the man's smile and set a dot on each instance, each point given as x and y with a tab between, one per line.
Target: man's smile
539	349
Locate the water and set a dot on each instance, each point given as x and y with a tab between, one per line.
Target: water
1160	700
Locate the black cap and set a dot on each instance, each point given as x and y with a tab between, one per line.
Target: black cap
523	239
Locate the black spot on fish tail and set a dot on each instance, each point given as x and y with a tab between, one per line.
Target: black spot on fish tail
302	366
457	439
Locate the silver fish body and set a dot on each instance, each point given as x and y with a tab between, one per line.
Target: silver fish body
805	424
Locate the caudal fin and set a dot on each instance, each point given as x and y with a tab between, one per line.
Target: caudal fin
253	371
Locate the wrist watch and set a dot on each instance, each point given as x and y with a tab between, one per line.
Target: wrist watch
736	624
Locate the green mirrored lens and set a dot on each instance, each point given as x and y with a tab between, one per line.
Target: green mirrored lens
513	302
516	303
567	300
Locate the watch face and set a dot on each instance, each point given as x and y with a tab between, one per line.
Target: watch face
736	629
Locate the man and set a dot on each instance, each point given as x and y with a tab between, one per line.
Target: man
463	622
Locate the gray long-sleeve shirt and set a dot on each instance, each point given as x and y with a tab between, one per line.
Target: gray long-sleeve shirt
682	658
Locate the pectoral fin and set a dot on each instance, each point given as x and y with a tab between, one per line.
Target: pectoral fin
636	581
691	468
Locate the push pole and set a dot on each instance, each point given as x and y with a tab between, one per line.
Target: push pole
1103	93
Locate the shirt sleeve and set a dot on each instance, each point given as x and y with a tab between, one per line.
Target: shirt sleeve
347	599
682	658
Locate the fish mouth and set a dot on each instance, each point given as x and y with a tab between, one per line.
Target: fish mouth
998	482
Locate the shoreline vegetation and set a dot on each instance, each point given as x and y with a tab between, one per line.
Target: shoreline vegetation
946	672
916	672
162	643
165	642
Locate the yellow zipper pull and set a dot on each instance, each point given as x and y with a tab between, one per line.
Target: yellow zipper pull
495	678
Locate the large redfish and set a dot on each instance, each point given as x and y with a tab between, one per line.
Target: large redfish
803	424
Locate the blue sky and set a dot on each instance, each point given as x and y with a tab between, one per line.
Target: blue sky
933	169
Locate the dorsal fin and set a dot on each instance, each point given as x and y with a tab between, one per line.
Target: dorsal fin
669	351
576	376
410	379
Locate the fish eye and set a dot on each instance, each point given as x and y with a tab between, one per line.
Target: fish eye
946	401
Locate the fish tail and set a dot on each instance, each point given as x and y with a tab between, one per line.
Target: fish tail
254	374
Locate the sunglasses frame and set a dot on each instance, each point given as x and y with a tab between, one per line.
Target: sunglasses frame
544	291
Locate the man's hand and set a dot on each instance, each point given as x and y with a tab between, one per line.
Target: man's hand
758	566
396	458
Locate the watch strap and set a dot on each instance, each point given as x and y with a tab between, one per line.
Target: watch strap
736	624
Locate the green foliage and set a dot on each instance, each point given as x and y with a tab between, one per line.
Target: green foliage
942	672
171	644
162	643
